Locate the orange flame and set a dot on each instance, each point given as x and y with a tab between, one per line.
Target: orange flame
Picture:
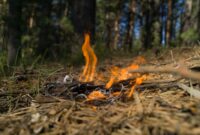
96	95
138	81
120	74
117	74
123	74
91	61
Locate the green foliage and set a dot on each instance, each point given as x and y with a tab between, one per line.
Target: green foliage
190	36
76	59
66	25
137	44
69	42
3	13
156	34
106	14
60	51
3	63
101	51
26	39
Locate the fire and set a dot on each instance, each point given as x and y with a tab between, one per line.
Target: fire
91	61
117	74
114	75
123	74
138	81
96	95
120	74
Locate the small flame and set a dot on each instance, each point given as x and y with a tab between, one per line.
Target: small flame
120	74
116	94
140	60
114	75
138	81
96	95
91	61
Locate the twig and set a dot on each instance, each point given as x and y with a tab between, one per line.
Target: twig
190	90
172	57
54	72
180	70
161	81
154	85
138	103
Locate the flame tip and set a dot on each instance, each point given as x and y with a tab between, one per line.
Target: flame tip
91	60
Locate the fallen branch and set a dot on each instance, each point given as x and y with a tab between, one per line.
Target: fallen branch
193	92
180	70
154	85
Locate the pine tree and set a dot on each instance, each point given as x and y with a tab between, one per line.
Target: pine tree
14	30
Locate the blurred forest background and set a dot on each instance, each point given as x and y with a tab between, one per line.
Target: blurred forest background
36	31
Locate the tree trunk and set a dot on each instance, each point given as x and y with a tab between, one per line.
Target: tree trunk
198	18
169	22
44	24
149	17
129	35
195	16
108	35
173	21
163	24
116	31
109	25
187	17
147	33
83	16
116	25
14	30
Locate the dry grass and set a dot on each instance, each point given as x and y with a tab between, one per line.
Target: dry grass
153	111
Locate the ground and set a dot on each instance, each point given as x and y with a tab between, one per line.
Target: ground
157	106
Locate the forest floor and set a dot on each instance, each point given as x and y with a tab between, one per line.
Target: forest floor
158	106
